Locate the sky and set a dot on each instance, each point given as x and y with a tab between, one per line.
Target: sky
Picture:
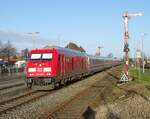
89	23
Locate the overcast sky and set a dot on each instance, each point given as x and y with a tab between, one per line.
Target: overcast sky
89	23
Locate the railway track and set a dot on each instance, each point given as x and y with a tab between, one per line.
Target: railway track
73	107
12	86
77	105
15	102
11	81
80	105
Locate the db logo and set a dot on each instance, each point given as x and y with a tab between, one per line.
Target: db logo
39	69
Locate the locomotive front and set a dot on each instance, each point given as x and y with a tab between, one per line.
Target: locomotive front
40	67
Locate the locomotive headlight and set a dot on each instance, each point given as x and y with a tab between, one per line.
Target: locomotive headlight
47	69
32	70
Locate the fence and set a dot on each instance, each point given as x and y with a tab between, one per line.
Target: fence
11	69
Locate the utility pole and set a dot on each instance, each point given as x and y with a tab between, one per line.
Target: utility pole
127	16
98	52
33	37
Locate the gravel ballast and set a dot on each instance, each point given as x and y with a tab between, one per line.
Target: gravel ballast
42	106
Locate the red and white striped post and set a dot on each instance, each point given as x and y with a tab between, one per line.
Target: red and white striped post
127	16
126	46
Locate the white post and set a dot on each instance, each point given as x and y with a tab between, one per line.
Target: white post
142	56
143	62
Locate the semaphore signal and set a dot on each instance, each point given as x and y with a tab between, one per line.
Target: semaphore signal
126	17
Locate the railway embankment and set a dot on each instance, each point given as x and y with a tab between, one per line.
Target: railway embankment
128	101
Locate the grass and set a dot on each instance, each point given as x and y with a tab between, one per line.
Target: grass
139	75
141	85
116	93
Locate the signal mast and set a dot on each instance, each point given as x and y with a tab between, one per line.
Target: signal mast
127	16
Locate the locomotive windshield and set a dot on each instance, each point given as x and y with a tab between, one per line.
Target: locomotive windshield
46	56
35	57
41	57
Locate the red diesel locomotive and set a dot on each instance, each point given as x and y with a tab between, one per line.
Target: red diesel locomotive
56	66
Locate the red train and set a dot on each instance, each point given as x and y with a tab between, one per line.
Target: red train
57	66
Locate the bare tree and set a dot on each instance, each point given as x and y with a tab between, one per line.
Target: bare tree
7	50
25	53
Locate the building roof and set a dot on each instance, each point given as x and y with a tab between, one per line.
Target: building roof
74	47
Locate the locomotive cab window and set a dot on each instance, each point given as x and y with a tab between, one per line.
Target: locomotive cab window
35	57
41	57
47	57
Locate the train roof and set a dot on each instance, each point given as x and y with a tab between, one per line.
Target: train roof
99	57
75	52
66	50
